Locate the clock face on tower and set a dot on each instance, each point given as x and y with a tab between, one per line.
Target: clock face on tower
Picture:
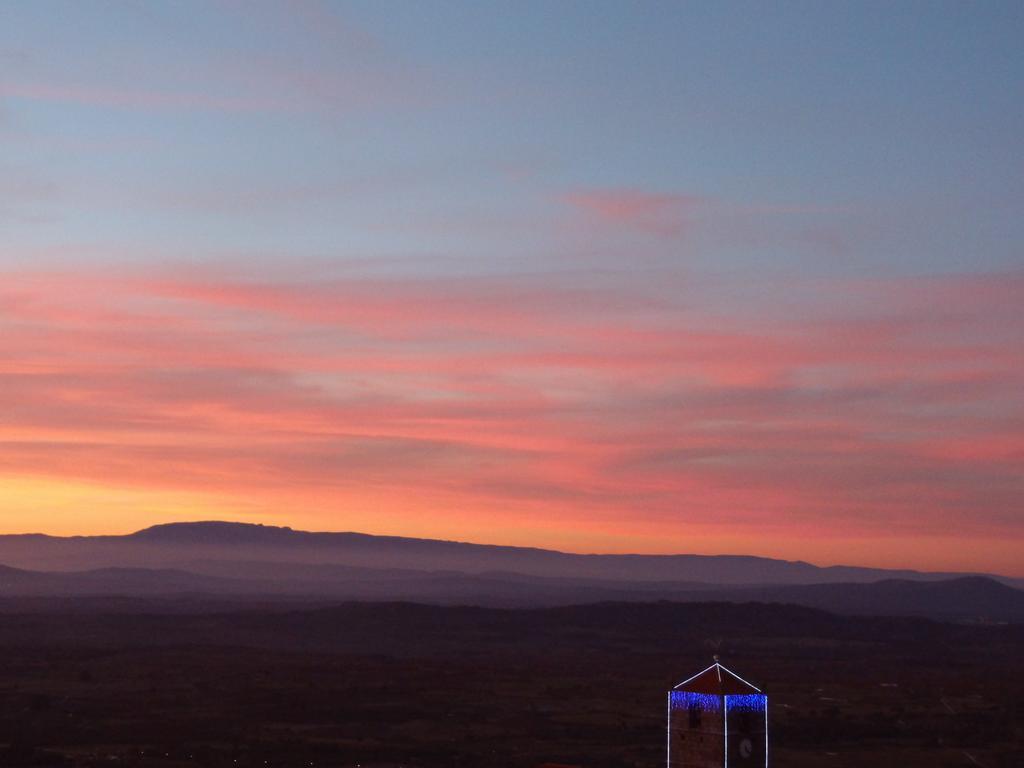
746	749
747	739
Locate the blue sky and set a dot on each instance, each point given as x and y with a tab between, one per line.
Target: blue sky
171	122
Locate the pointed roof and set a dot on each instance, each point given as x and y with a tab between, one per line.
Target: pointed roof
717	680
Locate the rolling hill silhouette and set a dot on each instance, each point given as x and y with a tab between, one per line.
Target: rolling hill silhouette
242	561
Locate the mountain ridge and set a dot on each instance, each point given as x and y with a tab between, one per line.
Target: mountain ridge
175	544
964	598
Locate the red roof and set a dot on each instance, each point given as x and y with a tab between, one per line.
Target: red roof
717	680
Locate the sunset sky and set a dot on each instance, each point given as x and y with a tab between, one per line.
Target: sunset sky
619	277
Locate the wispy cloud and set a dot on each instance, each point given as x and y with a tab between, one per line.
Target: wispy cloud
651	212
337	70
25	196
874	408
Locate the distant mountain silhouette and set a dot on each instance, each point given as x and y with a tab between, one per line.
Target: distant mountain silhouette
964	598
958	598
218	532
114	581
275	553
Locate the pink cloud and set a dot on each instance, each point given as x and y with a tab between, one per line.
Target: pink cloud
654	213
864	410
340	70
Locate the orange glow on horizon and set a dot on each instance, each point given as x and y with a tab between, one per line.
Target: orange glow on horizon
530	413
55	508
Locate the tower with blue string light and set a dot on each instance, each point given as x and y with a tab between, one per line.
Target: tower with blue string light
716	719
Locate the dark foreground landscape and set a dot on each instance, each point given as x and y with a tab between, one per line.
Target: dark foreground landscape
177	682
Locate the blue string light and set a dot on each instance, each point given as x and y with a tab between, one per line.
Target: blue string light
707	702
752	702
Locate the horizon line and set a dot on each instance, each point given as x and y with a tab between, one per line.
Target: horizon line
510	546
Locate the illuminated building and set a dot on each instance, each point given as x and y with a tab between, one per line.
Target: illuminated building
716	719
